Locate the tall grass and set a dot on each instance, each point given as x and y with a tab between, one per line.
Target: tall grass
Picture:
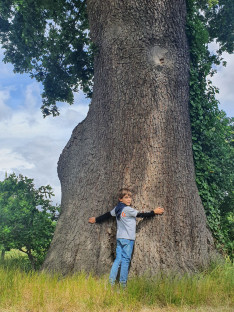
22	290
16	259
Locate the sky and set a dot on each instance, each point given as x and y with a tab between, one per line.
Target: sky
30	144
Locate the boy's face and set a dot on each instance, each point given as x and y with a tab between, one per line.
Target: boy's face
127	199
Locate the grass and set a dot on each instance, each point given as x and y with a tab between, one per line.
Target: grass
22	290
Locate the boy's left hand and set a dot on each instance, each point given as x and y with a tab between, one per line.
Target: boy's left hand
92	220
159	210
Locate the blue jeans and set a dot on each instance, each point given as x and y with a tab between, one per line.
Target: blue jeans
124	250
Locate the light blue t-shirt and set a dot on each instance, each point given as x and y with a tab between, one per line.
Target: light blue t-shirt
126	225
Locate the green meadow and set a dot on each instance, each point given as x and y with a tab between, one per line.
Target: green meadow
25	290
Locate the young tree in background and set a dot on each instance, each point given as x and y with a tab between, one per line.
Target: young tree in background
27	217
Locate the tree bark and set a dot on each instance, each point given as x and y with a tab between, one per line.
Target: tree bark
3	254
136	134
31	259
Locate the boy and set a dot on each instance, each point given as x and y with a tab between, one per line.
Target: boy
126	233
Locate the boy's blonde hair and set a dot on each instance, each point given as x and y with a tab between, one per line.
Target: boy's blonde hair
123	192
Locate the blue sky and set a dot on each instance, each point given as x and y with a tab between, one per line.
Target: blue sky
31	145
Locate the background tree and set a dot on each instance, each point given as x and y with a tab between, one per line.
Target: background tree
212	130
27	217
137	131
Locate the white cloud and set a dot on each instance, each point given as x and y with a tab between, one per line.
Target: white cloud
31	144
11	160
5	111
223	80
32	96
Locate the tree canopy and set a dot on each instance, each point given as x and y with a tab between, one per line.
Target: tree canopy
50	41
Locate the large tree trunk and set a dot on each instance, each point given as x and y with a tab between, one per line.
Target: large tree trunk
137	134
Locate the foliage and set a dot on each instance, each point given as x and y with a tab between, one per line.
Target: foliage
27	217
50	40
208	290
219	17
212	133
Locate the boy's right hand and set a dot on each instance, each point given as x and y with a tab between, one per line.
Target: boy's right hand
159	210
92	220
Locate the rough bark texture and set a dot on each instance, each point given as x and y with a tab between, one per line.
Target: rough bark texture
136	134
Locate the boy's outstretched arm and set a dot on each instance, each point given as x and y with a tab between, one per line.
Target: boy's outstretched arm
152	213
101	218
